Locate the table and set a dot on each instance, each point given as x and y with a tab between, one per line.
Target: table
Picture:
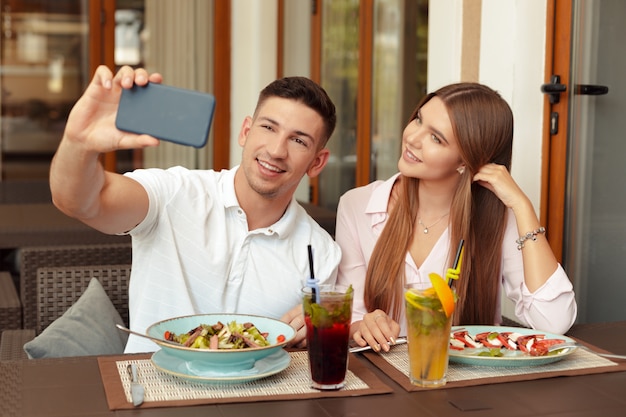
73	387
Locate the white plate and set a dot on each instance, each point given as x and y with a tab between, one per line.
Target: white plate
469	356
262	368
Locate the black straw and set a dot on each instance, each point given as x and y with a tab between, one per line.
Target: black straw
456	259
311	262
312	271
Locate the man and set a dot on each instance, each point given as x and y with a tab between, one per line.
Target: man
233	241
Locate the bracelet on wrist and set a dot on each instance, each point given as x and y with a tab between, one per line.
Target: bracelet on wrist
529	236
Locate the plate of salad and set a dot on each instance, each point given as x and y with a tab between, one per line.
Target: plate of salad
221	343
505	346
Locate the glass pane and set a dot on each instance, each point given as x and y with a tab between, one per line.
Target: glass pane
44	69
339	66
128	27
595	253
129	50
399	77
399	81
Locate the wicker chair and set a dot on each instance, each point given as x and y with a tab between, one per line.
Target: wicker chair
10	305
58	288
33	258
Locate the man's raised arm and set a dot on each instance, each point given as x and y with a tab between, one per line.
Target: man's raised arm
80	186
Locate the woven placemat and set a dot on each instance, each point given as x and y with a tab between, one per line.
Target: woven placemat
165	390
395	364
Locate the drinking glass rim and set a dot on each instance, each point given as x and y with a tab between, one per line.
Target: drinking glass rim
328	290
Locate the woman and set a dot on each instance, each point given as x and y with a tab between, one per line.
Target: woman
454	183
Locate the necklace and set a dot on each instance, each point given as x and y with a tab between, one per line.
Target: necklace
419	220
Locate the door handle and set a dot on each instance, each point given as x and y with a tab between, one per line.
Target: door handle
554	89
591	90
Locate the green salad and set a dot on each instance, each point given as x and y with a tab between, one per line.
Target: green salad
222	336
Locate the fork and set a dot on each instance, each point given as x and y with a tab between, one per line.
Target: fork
565	345
362	348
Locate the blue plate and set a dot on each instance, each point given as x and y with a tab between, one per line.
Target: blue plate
511	358
226	360
198	372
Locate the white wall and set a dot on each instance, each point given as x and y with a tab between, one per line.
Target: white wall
253	60
512	55
444	42
512	61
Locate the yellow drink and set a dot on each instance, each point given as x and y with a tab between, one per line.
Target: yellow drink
428	330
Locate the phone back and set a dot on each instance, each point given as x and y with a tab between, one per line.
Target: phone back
168	113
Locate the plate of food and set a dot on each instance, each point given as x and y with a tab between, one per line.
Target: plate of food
505	346
222	347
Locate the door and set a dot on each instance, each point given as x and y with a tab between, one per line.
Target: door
594	215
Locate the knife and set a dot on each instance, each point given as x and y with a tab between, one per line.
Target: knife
136	389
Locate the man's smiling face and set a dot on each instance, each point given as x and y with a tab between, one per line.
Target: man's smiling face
281	143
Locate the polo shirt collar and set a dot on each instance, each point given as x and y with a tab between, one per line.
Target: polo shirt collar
283	227
228	188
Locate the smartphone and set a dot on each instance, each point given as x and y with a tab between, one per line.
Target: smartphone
168	113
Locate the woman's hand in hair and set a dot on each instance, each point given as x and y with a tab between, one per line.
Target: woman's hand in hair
376	329
499	181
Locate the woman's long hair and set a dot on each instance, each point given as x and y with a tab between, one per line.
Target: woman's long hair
482	123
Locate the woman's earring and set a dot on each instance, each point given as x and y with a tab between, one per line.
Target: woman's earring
461	170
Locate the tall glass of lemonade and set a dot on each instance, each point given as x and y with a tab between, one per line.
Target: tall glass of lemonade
428	327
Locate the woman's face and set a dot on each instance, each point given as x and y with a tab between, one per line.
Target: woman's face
429	148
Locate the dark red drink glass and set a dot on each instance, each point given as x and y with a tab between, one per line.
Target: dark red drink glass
328	332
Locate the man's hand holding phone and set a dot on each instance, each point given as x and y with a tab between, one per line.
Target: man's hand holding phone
168	113
91	121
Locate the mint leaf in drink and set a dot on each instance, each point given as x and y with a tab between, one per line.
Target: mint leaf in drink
331	312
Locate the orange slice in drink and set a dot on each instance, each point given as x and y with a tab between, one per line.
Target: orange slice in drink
444	292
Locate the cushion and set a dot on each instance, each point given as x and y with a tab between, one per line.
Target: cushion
86	328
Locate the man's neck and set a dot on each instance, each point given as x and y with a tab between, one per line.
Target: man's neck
261	211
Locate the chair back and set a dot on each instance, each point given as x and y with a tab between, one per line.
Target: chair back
35	257
58	288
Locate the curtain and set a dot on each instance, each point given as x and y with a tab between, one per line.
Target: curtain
178	41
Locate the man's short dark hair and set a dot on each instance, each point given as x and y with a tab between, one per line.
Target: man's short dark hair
309	93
